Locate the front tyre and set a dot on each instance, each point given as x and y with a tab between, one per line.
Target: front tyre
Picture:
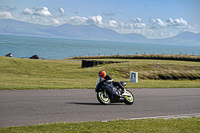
129	98
102	98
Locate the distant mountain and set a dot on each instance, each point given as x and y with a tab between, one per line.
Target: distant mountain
93	32
14	27
85	32
185	38
90	32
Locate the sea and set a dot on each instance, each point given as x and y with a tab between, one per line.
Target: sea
57	48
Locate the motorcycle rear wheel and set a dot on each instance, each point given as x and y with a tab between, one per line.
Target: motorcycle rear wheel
102	98
129	100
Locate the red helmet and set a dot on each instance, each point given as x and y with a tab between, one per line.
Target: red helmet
102	74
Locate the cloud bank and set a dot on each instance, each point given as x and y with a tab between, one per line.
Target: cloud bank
76	20
5	15
40	11
177	23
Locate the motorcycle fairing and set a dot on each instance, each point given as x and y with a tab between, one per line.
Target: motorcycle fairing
101	86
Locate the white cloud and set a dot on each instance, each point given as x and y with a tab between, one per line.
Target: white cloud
76	20
60	10
137	20
112	24
121	27
95	20
55	21
176	23
180	22
158	23
139	25
27	11
42	11
5	15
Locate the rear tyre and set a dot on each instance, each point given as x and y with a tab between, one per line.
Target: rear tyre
102	98
129	100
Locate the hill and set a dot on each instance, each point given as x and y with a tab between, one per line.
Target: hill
185	38
13	27
93	32
85	32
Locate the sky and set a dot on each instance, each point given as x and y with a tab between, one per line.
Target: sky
154	19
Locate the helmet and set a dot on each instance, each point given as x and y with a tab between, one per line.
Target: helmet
102	74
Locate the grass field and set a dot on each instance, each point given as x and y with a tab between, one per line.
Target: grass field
19	73
181	125
145	56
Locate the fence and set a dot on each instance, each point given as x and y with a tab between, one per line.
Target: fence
144	53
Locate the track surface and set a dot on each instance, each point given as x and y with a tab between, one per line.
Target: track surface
30	107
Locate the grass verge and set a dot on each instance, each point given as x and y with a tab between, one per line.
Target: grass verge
181	125
58	74
144	56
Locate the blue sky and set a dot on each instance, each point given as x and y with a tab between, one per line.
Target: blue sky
151	18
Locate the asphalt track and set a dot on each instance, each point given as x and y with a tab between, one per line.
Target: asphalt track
30	107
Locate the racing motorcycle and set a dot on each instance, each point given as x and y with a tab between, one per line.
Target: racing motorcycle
108	93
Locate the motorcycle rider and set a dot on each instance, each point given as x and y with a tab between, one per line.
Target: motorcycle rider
106	78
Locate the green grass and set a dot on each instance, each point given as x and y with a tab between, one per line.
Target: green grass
19	73
43	74
181	125
152	69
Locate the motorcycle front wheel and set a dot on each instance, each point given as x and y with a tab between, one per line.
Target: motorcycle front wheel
129	100
102	98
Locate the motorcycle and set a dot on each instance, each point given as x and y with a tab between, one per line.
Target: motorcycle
108	93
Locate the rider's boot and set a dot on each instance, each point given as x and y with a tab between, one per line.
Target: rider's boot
105	95
123	92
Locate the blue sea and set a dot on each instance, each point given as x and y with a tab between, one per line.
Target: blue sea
54	48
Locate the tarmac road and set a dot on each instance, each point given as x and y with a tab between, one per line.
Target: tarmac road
30	107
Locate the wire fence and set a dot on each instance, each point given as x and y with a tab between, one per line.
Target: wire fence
144	53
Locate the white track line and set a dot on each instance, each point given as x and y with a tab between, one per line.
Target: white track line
169	116
165	117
